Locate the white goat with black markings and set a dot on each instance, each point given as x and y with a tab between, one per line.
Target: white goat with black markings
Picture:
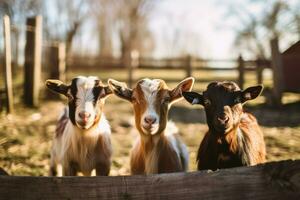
82	140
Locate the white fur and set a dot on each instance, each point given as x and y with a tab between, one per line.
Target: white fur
75	144
151	159
195	101
150	89
170	131
178	146
244	147
85	97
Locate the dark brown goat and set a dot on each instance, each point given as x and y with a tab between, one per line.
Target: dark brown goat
234	137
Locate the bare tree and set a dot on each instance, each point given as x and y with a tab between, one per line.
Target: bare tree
248	38
295	24
126	20
133	28
104	12
257	30
271	19
18	11
68	21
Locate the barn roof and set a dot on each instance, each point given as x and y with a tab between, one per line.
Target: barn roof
293	49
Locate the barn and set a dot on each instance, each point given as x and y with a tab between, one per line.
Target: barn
291	68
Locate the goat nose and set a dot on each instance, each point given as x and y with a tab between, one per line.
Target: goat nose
84	115
150	119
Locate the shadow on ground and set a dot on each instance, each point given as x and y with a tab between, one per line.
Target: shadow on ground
286	116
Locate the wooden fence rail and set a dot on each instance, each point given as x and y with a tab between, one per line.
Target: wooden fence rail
276	180
187	64
58	63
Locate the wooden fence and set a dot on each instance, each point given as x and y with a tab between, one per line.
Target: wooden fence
188	64
276	180
33	62
58	63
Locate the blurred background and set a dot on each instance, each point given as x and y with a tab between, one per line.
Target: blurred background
247	41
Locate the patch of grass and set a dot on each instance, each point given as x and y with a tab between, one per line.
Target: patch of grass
25	140
26	135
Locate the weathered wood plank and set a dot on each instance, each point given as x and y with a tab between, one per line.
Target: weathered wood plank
277	180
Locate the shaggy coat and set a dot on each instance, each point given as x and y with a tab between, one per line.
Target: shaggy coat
158	148
234	137
82	140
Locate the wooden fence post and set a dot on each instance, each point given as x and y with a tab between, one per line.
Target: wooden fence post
241	69
259	71
33	53
7	64
57	64
276	64
132	63
130	71
189	66
15	49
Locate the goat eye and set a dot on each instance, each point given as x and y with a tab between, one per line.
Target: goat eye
237	100
166	100
70	98
207	102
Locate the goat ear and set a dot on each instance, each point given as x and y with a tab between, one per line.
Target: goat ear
58	87
184	86
193	97
104	91
251	93
120	89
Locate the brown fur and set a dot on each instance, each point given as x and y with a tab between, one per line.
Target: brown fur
213	147
234	137
156	149
161	151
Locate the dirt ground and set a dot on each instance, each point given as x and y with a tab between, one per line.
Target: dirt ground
25	136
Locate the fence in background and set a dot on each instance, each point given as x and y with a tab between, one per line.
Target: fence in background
187	64
33	62
57	62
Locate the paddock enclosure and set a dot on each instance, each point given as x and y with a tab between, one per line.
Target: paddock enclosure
29	113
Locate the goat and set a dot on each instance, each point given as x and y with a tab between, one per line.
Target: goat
158	148
82	141
234	137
